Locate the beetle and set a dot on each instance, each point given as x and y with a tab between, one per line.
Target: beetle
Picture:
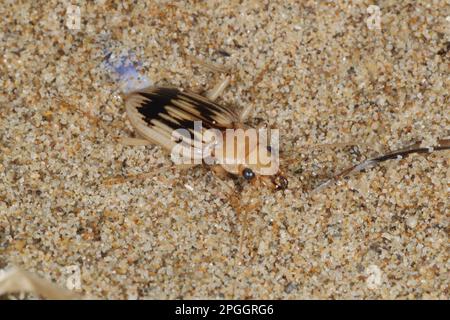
157	112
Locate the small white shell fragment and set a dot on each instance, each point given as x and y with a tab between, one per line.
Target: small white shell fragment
411	222
374	279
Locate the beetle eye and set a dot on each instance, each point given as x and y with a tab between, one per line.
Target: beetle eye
248	174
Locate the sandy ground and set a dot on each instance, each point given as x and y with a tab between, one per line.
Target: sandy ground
314	70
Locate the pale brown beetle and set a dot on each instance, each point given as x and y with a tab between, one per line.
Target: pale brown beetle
156	112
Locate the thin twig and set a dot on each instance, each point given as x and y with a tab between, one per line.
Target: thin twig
443	144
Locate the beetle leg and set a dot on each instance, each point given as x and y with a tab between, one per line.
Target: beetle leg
208	65
245	113
133	141
145	175
124	179
222	174
248	109
215	92
243	210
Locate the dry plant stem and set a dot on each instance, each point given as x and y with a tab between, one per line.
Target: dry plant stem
443	144
332	145
16	280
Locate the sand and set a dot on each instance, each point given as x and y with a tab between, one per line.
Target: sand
314	70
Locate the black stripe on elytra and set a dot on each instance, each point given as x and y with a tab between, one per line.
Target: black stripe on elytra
158	100
162	97
209	109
